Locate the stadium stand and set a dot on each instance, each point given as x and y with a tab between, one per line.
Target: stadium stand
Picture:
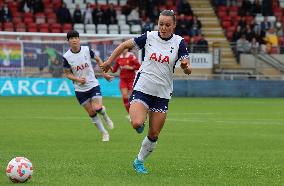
217	20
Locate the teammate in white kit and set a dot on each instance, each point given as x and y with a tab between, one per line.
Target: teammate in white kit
153	84
78	68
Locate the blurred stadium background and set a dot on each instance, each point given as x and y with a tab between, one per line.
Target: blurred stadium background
236	49
227	39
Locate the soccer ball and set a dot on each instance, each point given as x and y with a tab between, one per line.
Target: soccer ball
19	170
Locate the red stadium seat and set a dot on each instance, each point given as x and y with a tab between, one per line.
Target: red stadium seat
28	20
44	27
17	20
8	27
222	14
229	34
226	24
44	30
55	30
55	26
186	39
32	27
67	27
222	8
20	29
40	18
281	40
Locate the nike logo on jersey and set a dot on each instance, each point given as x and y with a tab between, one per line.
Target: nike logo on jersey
81	67
160	58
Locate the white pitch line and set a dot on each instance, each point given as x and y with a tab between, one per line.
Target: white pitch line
265	122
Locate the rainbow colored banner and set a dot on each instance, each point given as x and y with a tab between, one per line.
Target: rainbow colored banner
10	55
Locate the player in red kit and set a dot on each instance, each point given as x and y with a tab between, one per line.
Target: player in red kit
128	64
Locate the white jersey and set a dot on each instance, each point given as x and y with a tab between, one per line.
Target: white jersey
81	67
159	56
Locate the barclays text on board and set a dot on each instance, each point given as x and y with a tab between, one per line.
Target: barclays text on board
50	87
36	87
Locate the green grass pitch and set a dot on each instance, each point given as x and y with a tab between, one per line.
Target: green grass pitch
205	141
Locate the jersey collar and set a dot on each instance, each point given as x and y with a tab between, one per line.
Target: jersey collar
165	39
75	52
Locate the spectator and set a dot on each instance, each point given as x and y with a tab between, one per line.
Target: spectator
147	25
56	69
154	14
271	40
202	45
184	8
77	15
63	14
256	8
133	18
5	13
242	24
25	6
183	26
267	8
220	2
88	14
254	46
191	45
110	15
249	33
195	27
265	25
37	6
98	15
245	8
243	46
278	27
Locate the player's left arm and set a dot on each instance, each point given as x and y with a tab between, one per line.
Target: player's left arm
184	58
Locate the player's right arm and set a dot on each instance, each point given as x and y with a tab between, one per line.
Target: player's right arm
68	73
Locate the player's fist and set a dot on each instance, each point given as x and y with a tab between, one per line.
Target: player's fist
183	64
82	80
105	67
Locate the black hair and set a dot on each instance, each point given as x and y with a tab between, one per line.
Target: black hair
72	33
169	13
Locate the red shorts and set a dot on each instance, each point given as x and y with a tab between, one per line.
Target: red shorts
126	83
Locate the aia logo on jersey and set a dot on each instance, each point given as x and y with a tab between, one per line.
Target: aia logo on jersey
160	58
82	67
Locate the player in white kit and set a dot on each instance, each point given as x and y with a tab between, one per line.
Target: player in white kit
153	84
78	68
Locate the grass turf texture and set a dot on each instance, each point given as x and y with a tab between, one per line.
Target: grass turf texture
205	141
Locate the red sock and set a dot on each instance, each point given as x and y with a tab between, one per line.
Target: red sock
126	104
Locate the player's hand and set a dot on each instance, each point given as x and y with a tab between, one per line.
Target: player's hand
187	70
108	77
82	80
105	67
186	67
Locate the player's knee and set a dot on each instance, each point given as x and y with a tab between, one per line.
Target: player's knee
92	114
136	123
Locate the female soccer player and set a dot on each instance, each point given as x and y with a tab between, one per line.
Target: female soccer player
153	84
128	64
78	68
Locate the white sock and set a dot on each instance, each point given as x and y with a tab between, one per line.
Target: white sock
102	111
147	147
98	122
104	114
